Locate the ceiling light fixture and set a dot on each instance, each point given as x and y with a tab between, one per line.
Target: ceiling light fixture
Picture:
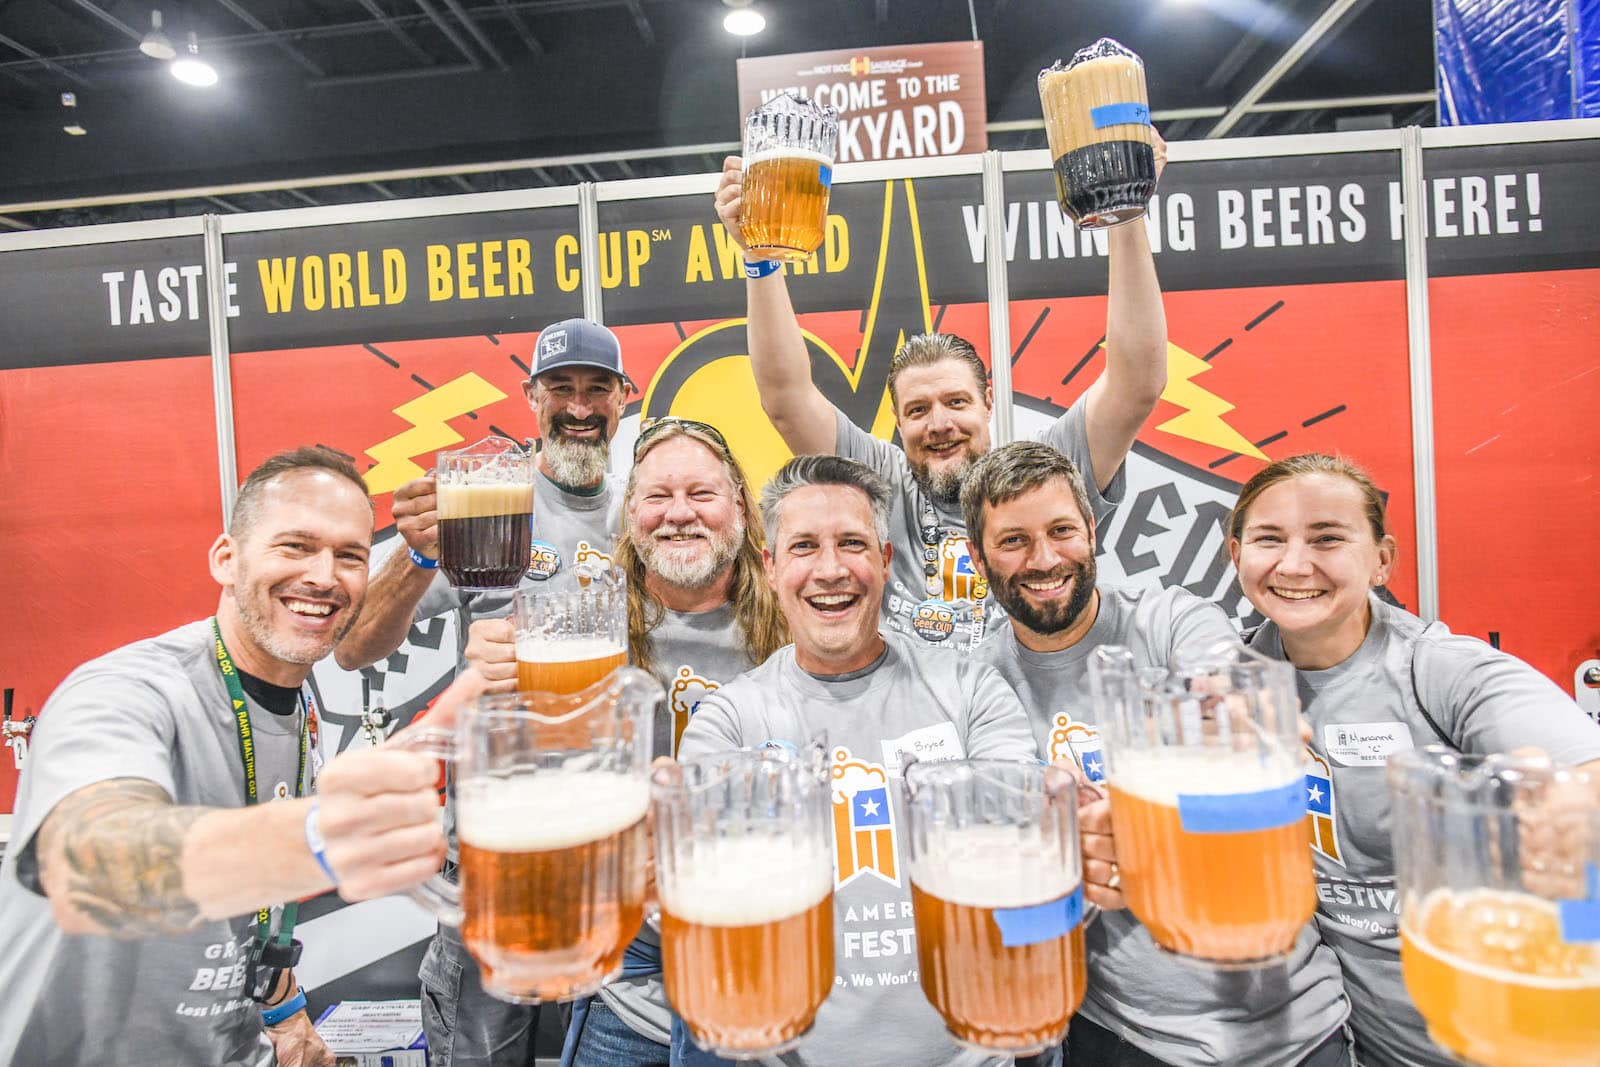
156	44
743	20
75	130
191	69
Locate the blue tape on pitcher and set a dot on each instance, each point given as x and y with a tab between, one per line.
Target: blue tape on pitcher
825	176
1125	114
1040	922
1238	813
1580	919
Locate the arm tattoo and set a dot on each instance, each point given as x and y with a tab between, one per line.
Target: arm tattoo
114	850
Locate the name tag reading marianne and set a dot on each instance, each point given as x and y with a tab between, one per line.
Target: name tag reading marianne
1241	813
1365	744
1040	922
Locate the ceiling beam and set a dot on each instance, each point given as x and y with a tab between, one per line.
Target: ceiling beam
1269	20
14	224
288	49
529	41
646	31
109	19
46	62
395	31
1335	13
450	33
477	33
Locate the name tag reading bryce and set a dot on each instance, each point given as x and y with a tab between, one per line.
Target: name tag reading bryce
931	744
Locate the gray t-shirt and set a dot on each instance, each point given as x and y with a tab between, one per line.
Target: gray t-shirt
955	585
696	653
568	529
913	699
1183	1014
155	710
1362	711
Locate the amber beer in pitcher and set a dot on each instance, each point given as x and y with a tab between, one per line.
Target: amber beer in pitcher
1497	862
484	496
569	639
1097	121
788	172
744	861
996	888
551	798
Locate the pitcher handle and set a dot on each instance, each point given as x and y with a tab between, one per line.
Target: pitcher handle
440	897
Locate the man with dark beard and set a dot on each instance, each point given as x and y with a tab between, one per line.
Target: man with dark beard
1027	511
577	392
700	613
942	401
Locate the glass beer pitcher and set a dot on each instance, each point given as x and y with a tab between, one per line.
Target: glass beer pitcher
788	171
1208	801
1097	120
550	804
485	502
1496	859
997	893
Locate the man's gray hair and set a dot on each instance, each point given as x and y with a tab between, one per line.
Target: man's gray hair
802	471
1008	472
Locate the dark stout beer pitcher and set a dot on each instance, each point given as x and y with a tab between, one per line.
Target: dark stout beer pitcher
485	500
1097	119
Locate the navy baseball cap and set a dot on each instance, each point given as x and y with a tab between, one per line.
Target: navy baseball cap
577	343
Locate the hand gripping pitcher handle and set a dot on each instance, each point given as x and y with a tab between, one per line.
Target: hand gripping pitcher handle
437	894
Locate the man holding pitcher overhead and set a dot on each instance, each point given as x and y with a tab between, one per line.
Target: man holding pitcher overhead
577	392
1027	511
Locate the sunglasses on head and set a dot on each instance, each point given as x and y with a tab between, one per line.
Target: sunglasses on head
656	426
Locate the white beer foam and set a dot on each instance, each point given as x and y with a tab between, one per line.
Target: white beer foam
548	809
1160	775
742	881
545	650
984	867
1413	933
787	153
482	501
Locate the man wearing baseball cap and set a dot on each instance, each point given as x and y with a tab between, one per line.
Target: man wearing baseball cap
577	392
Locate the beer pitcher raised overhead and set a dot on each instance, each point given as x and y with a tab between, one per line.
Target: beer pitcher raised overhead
1097	120
744	860
572	638
997	891
788	172
1208	801
550	802
1498	865
485	502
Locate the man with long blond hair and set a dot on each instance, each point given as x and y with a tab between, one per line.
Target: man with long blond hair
700	612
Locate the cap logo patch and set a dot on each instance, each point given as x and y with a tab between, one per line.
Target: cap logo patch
553	343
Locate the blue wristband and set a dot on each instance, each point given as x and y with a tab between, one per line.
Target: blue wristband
274	1015
761	268
316	844
422	561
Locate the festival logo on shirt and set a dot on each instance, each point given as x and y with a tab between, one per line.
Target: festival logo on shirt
543	561
863	821
588	562
688	689
959	579
1079	742
1320	807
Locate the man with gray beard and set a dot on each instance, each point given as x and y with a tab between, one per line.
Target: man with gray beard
577	392
700	612
942	401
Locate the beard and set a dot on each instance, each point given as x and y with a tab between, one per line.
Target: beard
255	615
684	571
574	462
1056	616
943	485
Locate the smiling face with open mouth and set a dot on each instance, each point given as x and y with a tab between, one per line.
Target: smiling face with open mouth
1038	554
294	580
829	568
1307	558
578	409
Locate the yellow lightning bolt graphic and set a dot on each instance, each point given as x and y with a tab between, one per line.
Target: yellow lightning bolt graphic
1202	417
430	430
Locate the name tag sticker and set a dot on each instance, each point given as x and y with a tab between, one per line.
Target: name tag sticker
1120	115
932	744
1365	744
1238	813
1040	922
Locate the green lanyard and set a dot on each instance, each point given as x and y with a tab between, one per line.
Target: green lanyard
247	752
